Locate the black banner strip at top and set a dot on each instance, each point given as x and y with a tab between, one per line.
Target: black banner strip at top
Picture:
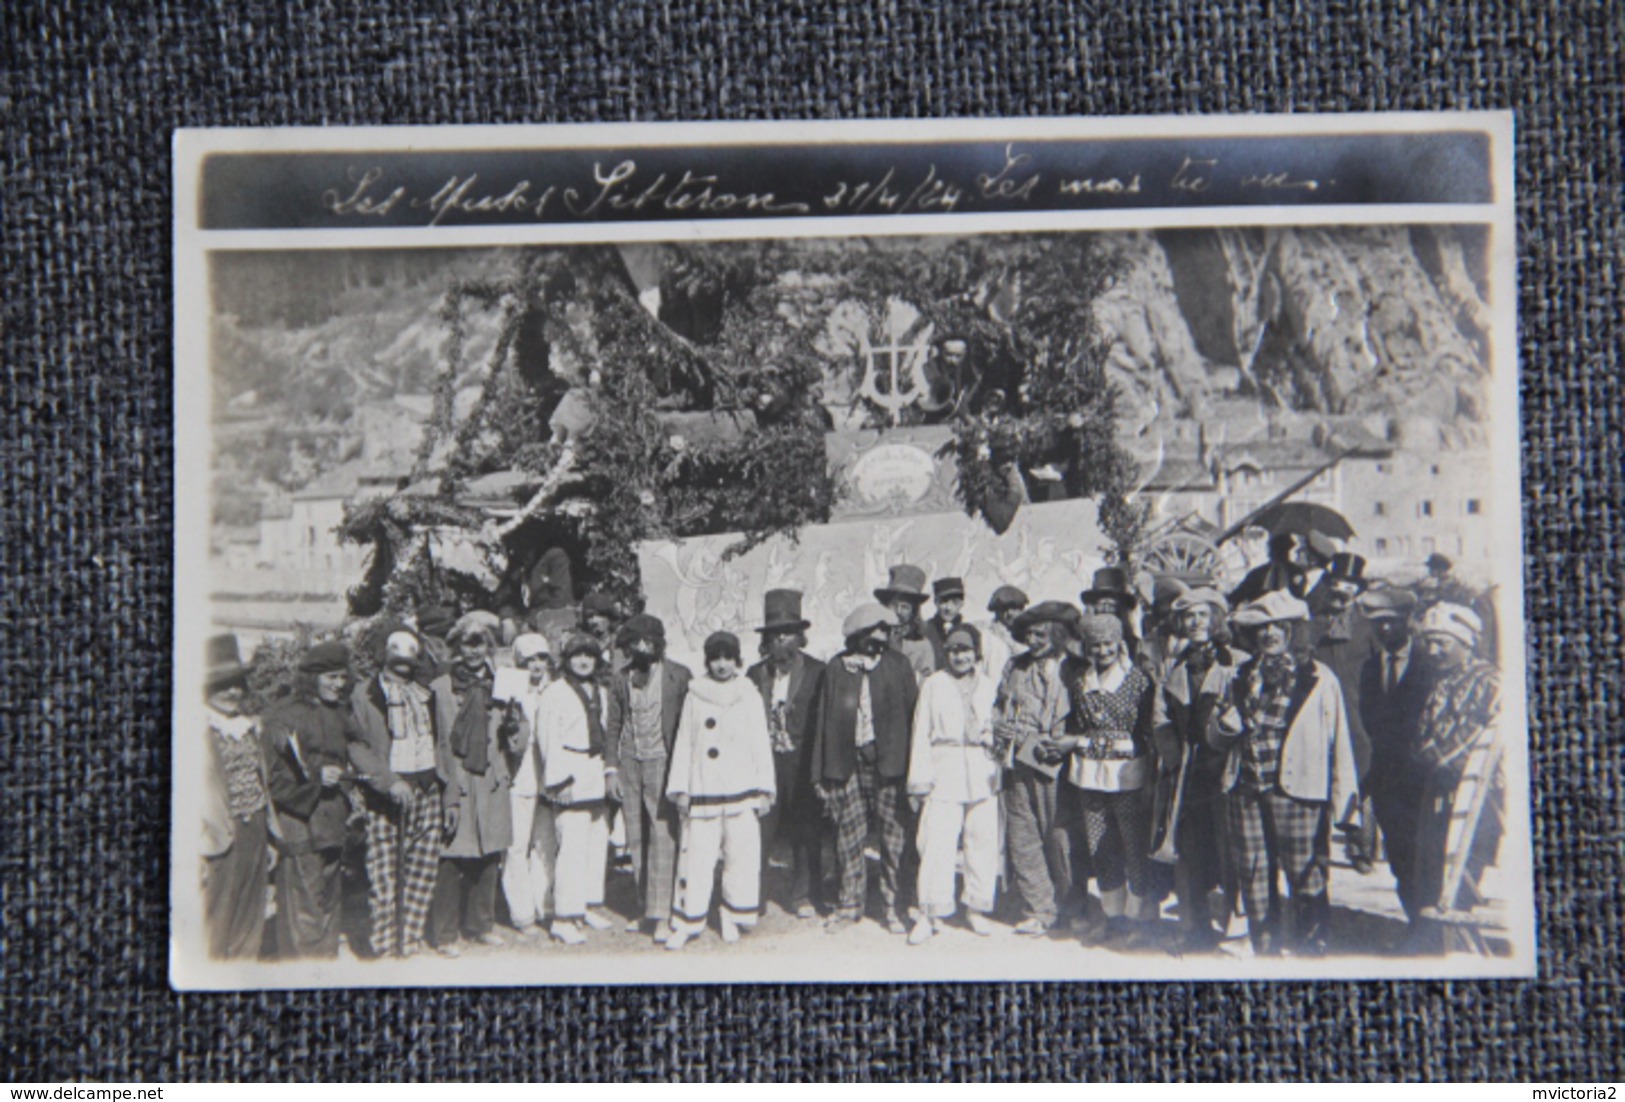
349	190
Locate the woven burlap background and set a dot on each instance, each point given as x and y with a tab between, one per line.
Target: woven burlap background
92	93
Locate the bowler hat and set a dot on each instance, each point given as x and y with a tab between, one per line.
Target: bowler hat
781	611
905	581
946	588
1111	581
222	664
1438	564
1007	596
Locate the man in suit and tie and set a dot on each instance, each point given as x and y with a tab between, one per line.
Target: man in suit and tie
787	678
1394	683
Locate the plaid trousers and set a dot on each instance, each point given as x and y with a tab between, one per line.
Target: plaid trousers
865	801
652	829
1272	833
403	859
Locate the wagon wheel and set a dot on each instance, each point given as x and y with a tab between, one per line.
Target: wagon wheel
1183	555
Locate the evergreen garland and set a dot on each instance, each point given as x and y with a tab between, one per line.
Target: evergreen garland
708	418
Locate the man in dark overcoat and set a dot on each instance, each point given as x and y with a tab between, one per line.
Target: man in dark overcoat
860	728
788	681
307	760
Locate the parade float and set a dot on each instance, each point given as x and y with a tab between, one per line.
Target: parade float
693	425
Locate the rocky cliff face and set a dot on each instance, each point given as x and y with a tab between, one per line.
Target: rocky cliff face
1334	320
1385	324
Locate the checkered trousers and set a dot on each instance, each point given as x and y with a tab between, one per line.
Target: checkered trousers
1272	833
403	858
866	802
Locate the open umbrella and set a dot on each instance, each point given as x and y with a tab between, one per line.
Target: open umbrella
1302	518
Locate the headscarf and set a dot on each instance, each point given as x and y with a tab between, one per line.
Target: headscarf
1099	628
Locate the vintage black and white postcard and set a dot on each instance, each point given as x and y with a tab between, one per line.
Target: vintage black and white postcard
936	550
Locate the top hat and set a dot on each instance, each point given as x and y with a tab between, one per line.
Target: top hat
1111	581
1345	566
905	581
945	588
781	611
222	664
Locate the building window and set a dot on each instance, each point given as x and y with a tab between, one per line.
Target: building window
1382	468
1474	507
1382	546
1433	469
1380	509
1424	508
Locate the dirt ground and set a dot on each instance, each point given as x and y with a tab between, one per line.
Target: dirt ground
1366	921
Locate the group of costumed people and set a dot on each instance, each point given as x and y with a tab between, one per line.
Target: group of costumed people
1183	745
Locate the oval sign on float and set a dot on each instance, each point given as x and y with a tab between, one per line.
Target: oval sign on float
893	474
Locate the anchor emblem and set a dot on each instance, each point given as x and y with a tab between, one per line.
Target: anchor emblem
902	366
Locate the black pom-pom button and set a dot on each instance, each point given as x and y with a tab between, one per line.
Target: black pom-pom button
710	723
713	753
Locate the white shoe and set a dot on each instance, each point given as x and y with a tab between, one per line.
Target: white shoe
598	921
924	930
634	926
730	930
569	933
979	925
679	938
